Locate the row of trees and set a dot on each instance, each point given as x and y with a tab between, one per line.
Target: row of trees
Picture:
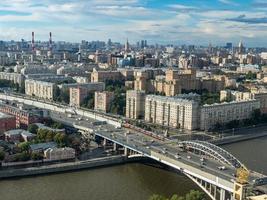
118	104
192	195
256	118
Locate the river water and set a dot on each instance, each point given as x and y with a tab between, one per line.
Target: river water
124	182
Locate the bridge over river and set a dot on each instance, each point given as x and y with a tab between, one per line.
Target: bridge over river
214	170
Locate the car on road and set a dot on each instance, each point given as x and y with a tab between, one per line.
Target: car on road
189	157
222	168
177	156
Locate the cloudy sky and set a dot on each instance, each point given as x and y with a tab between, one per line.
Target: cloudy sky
161	21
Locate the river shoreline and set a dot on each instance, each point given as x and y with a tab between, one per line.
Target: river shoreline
66	167
238	138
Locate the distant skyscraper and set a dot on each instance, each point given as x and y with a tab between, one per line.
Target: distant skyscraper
145	43
241	48
142	44
127	46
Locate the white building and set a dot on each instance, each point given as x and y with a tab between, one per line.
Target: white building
59	153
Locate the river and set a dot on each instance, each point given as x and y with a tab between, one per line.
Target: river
124	182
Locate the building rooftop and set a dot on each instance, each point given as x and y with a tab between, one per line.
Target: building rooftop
43	146
19	132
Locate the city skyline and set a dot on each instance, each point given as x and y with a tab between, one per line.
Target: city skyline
169	22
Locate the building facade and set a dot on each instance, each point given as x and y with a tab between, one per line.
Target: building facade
135	104
40	89
7	122
59	153
222	113
172	111
14	77
103	100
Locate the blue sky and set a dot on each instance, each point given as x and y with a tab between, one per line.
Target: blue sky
162	21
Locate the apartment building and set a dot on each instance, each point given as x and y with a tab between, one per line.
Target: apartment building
103	100
172	111
14	77
135	104
222	113
40	89
241	96
78	92
102	76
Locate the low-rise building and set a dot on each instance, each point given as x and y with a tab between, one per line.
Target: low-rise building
41	147
23	116
18	135
59	153
7	122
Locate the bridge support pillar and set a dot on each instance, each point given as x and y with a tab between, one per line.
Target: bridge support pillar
222	194
115	147
215	191
105	142
126	153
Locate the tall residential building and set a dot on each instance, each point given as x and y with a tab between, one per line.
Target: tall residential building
77	95
172	111
135	104
103	100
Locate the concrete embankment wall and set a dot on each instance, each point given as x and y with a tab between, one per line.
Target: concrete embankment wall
239	138
64	167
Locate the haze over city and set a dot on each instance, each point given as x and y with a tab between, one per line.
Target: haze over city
198	22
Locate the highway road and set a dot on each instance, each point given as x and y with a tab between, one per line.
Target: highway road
146	144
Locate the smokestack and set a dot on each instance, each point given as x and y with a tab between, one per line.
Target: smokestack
50	41
33	46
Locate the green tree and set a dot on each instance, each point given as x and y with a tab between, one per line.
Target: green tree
58	125
24	156
24	146
195	195
61	139
157	197
251	76
36	156
89	101
41	134
2	155
49	136
33	128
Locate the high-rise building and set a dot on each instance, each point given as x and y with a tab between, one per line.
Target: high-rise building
135	104
103	100
172	111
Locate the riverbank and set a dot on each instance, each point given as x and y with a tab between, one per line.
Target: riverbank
65	167
238	138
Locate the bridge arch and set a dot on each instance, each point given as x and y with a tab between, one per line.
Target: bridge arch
214	151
